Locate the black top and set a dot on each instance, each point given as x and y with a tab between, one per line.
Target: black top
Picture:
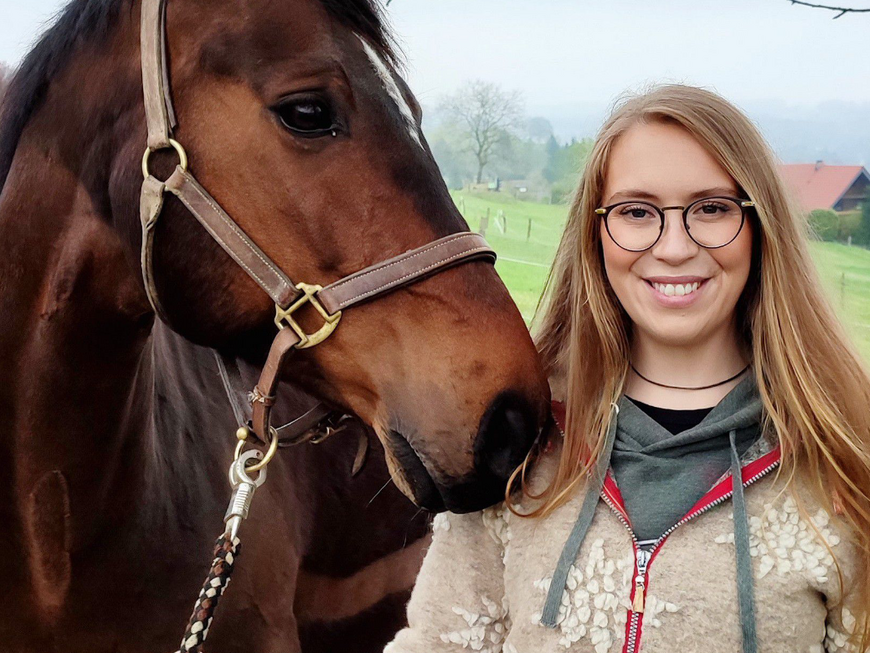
673	419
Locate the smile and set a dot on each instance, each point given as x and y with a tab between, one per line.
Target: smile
670	289
676	295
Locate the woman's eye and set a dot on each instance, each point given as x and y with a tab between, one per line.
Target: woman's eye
307	116
635	212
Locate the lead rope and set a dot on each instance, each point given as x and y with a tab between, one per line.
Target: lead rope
550	614
227	547
226	550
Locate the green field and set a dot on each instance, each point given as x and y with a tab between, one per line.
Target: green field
525	256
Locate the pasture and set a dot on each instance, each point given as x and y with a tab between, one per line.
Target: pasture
527	235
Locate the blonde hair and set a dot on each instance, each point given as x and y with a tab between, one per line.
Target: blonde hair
813	383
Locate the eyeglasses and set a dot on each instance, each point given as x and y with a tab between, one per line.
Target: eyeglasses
711	222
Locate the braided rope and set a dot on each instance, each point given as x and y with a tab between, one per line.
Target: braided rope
225	552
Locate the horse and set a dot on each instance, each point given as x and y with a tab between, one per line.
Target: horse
118	429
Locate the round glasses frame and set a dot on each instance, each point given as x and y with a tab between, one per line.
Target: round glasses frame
742	203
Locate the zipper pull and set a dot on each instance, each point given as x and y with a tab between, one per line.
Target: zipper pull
637	604
643	557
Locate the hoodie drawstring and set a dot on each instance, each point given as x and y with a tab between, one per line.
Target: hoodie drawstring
745	582
581	527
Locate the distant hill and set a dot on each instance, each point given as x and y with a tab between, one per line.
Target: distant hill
836	132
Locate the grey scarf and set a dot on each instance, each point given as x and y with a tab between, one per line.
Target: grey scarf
662	475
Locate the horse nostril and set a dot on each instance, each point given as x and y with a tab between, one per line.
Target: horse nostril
506	434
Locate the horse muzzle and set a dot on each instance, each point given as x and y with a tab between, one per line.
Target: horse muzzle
506	434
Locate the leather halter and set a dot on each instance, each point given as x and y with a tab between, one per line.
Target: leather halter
288	296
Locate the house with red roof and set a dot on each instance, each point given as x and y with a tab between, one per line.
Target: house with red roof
821	186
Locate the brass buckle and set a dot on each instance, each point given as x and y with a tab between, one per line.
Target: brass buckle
283	317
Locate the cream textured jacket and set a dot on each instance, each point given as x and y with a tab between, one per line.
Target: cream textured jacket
486	575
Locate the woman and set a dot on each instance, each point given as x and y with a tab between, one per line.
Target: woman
687	339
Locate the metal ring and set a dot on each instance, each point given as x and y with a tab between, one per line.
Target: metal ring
238	473
270	452
179	149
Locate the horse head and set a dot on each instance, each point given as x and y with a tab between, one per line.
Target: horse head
295	118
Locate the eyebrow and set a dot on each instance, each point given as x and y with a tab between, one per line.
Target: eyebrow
638	194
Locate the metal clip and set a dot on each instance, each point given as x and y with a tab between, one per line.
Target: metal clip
243	490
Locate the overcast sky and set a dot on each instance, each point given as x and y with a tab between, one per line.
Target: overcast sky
565	54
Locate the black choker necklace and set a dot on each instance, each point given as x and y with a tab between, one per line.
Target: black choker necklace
678	387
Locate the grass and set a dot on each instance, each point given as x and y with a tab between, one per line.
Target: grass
524	255
528	244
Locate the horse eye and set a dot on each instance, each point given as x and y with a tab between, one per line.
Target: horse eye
307	116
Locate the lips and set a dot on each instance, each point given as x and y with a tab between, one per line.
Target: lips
417	477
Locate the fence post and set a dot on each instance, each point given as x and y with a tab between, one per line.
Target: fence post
498	223
529	231
843	290
484	223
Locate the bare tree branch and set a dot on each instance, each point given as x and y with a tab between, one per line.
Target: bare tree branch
486	114
841	10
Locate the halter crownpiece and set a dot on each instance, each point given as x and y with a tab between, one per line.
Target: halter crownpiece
288	296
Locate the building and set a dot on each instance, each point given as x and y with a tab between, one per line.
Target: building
536	190
820	186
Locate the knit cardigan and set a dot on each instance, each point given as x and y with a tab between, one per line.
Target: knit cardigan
486	575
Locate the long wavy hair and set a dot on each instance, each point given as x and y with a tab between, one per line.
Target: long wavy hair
814	385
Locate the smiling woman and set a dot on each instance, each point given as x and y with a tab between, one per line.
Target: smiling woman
691	352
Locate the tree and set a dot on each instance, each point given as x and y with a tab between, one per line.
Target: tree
825	224
840	10
539	129
551	172
862	235
487	115
564	166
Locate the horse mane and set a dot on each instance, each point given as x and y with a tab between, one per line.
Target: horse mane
92	20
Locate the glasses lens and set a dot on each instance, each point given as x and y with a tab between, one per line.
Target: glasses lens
634	225
714	221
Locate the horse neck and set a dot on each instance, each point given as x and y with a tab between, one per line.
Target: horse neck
93	401
94	397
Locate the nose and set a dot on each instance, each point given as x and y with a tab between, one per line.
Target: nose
507	431
674	245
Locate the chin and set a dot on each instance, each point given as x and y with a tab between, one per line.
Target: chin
674	331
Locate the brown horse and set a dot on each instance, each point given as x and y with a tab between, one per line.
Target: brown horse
117	430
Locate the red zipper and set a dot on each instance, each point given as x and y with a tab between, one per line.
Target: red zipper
720	493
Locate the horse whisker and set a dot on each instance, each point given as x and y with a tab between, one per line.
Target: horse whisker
383	487
405	541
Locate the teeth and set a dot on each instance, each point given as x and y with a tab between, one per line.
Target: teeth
679	289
